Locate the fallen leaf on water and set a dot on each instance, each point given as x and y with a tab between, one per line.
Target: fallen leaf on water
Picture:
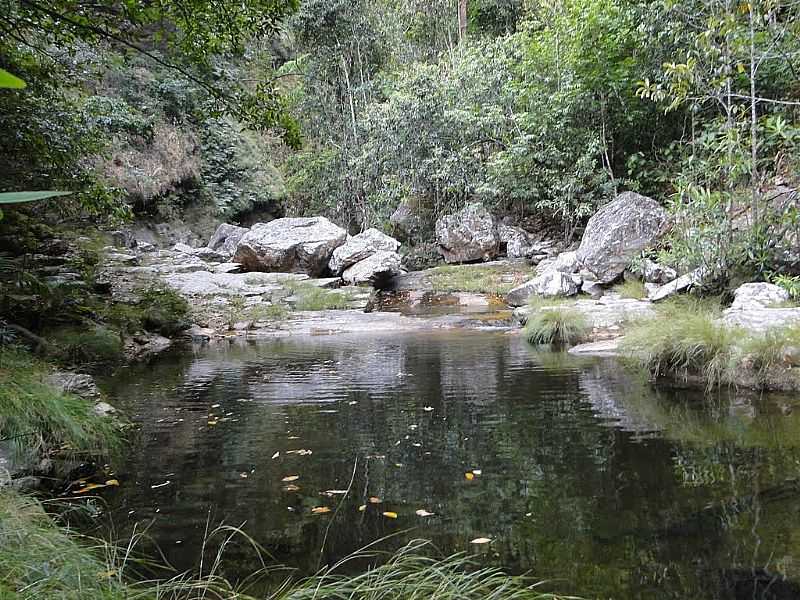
334	492
160	485
481	541
469	475
390	515
293	437
289	478
320	510
243	475
477	471
212	423
362	508
112	482
374	500
291	488
301	452
428	408
276	455
424	513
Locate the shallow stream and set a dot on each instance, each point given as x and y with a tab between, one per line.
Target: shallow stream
578	471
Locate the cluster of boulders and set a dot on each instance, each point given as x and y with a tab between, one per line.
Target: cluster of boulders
310	245
473	234
614	237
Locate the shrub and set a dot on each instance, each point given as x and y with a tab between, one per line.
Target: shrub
556	325
310	297
164	311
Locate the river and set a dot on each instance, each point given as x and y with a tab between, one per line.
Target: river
578	471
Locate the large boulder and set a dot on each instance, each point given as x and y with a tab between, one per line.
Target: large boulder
226	238
467	236
549	284
376	269
290	245
516	241
405	221
758	295
360	247
618	232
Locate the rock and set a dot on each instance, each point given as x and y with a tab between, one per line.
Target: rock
375	270
681	284
758	295
182	248
226	238
405	221
654	272
549	284
469	235
592	288
618	232
360	247
78	384
142	347
290	245
199	334
125	259
516	240
104	409
146	247
210	255
791	356
227	267
758	320
186	267
601	348
566	262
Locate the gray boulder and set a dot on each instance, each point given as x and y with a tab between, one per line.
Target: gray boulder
516	240
549	284
376	269
681	284
360	247
618	232
405	221
226	238
654	272
78	384
467	236
758	295
290	245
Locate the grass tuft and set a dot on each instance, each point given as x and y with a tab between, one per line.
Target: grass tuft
556	325
684	339
35	417
311	297
632	289
491	279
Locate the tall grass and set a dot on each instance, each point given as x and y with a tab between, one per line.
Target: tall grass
36	417
310	297
766	351
43	561
481	279
632	289
685	338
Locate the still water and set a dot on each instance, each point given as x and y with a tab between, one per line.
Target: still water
582	474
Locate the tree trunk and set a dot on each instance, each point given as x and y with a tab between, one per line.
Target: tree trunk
462	19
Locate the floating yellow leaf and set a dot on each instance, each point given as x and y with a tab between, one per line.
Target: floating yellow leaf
112	482
481	541
477	472
291	488
243	475
427	408
424	513
333	492
289	478
91	486
320	510
374	500
390	515
469	475
276	455
362	508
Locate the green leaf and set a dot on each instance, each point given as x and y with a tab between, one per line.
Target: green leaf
7	80
17	197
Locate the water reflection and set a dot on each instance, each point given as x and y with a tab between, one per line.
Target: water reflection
588	477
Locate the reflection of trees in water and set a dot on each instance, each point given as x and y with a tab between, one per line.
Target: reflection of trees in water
575	484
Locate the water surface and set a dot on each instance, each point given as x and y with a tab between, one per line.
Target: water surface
583	474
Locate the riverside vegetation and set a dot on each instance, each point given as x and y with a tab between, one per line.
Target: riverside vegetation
140	126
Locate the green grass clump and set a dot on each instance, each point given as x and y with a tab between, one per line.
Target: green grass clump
477	279
97	344
556	325
684	339
632	289
40	560
35	417
159	310
311	297
766	351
